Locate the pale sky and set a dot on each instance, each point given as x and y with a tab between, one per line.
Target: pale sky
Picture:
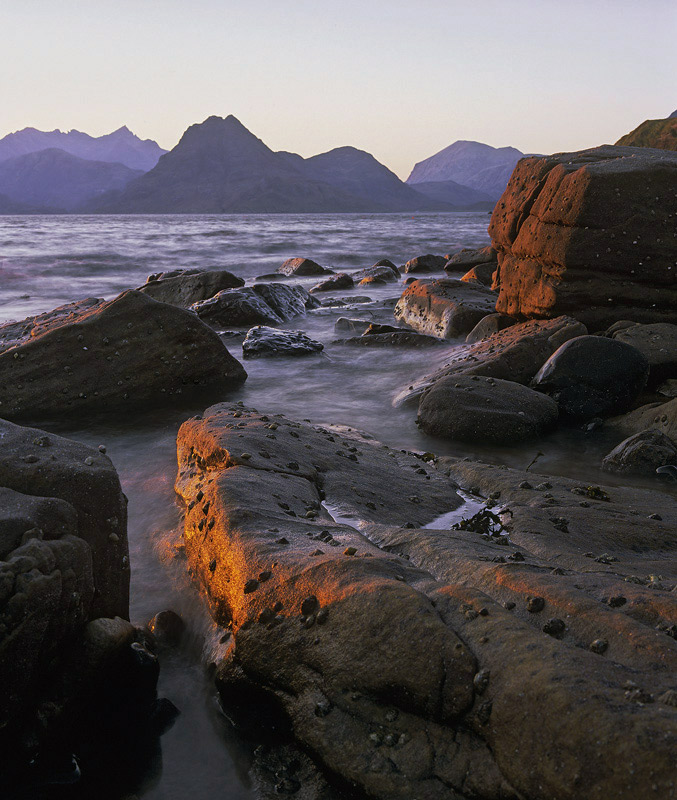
399	78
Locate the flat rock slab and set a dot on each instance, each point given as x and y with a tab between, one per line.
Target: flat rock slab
184	287
131	352
445	308
386	647
401	338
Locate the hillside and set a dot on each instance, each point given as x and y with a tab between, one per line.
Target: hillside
659	133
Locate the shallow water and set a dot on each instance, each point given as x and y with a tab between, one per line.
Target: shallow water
51	260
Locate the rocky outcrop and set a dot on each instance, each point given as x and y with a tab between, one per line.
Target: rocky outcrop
658	343
592	376
339	281
483	274
660	133
302	267
474	409
589	234
656	416
419	662
427	263
514	354
489	325
445	308
261	304
263	341
641	454
183	287
131	352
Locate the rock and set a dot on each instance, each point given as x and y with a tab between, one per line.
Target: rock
444	308
426	263
514	354
592	376
376	327
641	454
668	388
263	341
286	301
385	271
654	416
131	352
467	258
487	326
386	262
262	304
658	342
339	281
346	325
372	280
589	234
386	694
339	302
469	408
302	267
184	287
483	274
400	338
168	628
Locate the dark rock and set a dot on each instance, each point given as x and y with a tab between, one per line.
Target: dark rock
658	343
485	410
345	325
168	628
262	304
376	327
445	308
184	287
339	281
655	416
302	267
482	274
263	341
487	326
592	376
467	258
399	338
387	272
641	454
286	301
427	263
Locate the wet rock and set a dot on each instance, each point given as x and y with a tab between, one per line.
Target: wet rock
286	301
641	454
262	304
468	408
168	628
487	326
302	267
554	627
658	343
467	258
183	287
592	376
655	416
346	325
445	308
589	234
427	263
264	341
129	353
340	281
482	274
397	338
514	354
385	270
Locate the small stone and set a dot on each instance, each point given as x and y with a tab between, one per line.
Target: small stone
516	556
89	461
282	540
317	553
599	646
102	448
212	565
655	516
309	605
668	698
639	696
350	551
554	627
251	586
535	604
617	601
245	456
509	605
471	614
308	622
265	575
322	708
525	485
484	712
322	616
481	681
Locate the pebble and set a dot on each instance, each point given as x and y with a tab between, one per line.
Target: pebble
245	456
89	461
322	616
554	627
525	485
350	551
481	681
535	604
617	601
509	605
251	586
599	646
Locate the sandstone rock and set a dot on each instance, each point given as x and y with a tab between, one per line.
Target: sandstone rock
444	308
641	454
131	352
302	267
487	326
387	271
658	343
263	341
184	287
474	409
483	274
339	281
427	263
592	376
372	280
346	325
656	416
514	354
589	234
400	338
12	333
468	258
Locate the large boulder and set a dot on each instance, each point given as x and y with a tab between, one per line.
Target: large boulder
514	354
261	304
445	308
286	301
488	326
468	258
656	416
592	376
474	409
427	263
641	454
658	342
419	662
264	341
302	267
184	287
589	234
131	352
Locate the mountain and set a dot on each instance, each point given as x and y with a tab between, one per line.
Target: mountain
462	197
53	179
221	167
473	164
121	146
9	206
660	133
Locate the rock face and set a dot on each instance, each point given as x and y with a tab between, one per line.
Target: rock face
474	409
658	343
388	649
444	308
641	454
514	354
184	287
589	234
131	352
261	304
262	341
340	281
427	263
302	267
592	376
657	416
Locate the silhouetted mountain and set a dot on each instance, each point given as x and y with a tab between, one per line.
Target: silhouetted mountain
660	133
674	114
121	146
54	179
472	164
462	197
8	206
221	167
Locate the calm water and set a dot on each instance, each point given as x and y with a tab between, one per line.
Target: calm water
48	261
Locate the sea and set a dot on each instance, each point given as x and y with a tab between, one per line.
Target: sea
46	261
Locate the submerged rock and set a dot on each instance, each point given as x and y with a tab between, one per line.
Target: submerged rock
399	338
131	352
263	341
592	376
302	267
183	287
641	454
445	308
474	409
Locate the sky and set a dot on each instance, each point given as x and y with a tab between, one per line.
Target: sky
401	80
